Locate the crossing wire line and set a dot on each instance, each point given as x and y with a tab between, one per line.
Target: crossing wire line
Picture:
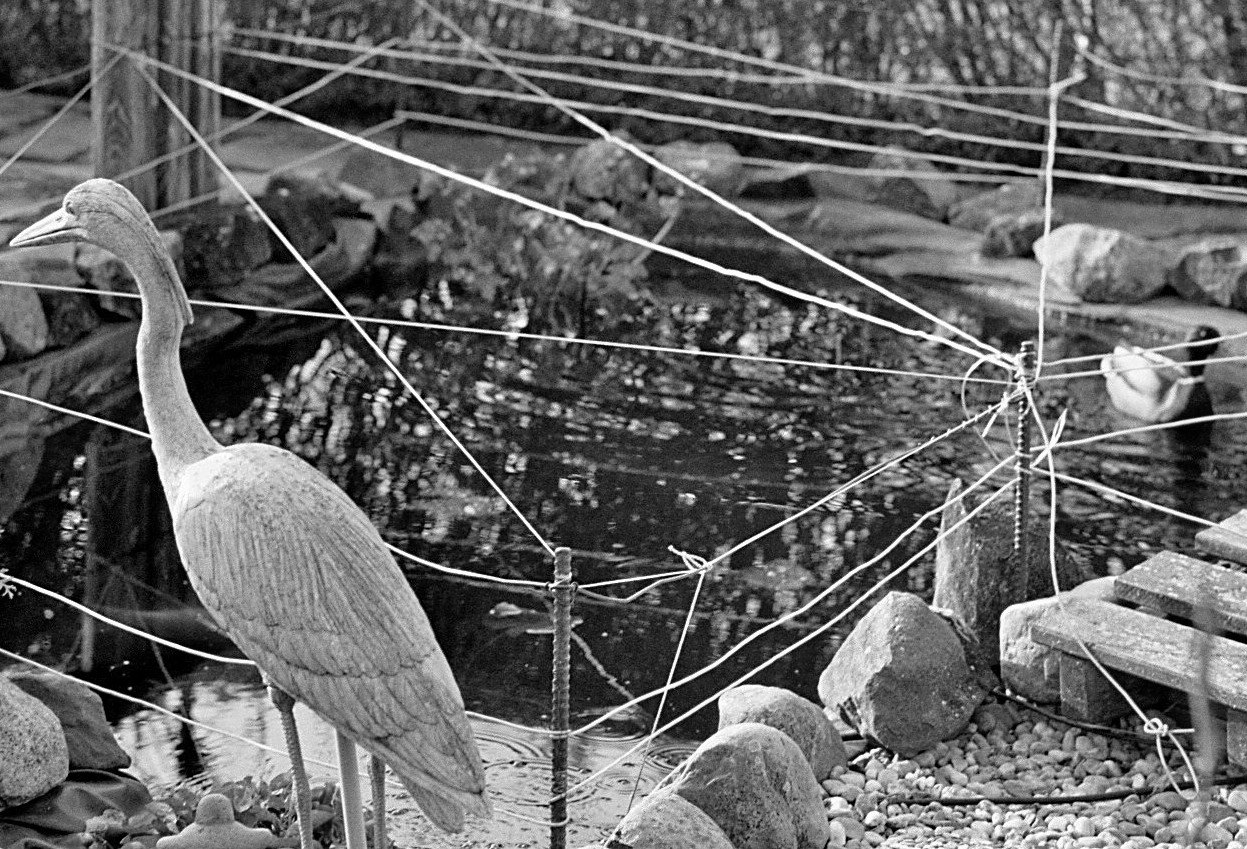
555	212
1003	171
298	94
51	122
833	621
819	597
1006	170
517	334
211	729
759	161
332	296
799	113
710	194
881	89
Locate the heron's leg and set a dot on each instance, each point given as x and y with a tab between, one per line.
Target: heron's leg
377	773
284	703
351	796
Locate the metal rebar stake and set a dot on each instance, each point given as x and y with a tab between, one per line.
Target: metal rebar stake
1022	465
560	688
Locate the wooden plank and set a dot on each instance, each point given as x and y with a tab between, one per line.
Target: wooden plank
1144	646
1177	584
1228	539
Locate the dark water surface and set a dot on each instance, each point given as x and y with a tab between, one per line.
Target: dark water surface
616	454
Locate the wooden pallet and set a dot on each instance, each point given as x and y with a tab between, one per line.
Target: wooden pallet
1143	635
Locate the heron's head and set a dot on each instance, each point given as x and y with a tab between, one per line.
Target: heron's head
107	214
98	211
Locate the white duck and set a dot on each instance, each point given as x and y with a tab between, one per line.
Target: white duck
1155	388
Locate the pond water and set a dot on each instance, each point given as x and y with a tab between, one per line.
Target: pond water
615	453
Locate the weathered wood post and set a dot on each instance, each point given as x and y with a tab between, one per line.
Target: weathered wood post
130	127
560	687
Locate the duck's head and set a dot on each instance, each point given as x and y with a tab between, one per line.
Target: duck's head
106	213
1203	343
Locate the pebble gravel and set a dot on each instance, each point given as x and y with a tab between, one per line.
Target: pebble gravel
880	799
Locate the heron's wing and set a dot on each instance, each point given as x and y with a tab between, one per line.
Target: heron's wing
301	580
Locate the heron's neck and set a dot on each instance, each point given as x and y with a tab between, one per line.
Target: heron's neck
179	437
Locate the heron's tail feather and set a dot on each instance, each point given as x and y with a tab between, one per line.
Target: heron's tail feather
446	810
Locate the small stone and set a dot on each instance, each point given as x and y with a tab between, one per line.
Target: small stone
799	718
1237	799
838	835
80	711
1169	800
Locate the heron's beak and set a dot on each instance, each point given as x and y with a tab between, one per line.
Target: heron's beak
60	226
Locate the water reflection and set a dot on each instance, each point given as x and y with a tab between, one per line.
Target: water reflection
614	453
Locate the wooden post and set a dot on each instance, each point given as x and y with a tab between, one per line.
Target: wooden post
130	126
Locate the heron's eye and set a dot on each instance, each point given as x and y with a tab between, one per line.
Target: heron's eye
69	208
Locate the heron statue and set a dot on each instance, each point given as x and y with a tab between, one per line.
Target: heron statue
284	561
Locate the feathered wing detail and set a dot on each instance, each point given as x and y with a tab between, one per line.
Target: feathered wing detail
301	580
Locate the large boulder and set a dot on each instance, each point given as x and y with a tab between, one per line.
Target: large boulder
303	213
799	718
1102	265
716	165
81	714
915	186
68	315
33	754
977	211
666	820
976	573
23	326
1213	271
753	781
901	677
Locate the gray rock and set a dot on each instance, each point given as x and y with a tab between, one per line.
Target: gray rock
976	574
33	754
901	677
601	170
1213	271
1013	234
68	316
716	165
928	196
1028	668
103	271
753	781
666	820
81	714
1102	265
799	718
977	211
23	327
